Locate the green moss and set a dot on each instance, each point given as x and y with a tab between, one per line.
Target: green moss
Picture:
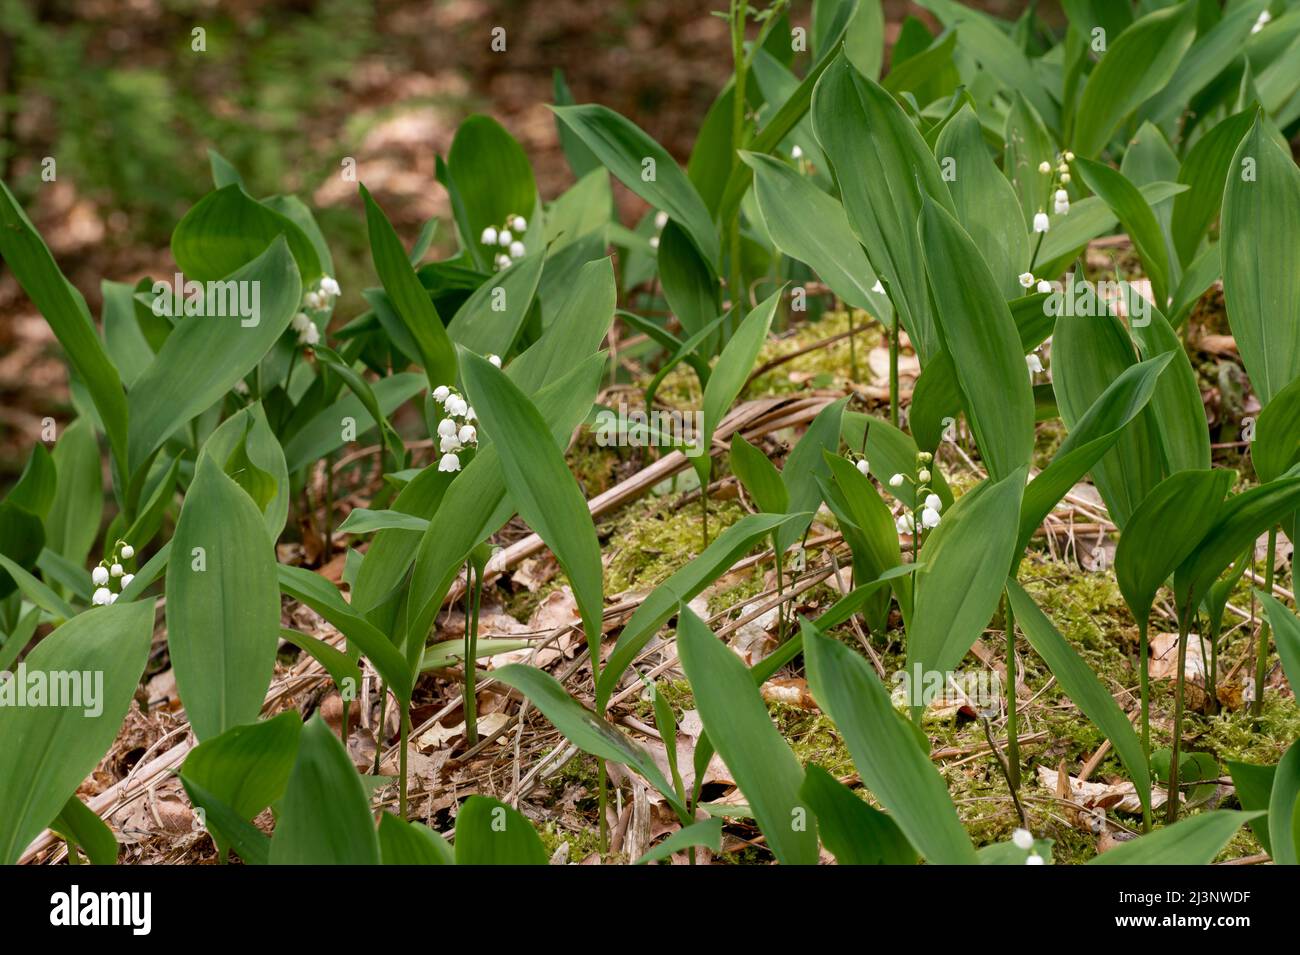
655	536
1235	736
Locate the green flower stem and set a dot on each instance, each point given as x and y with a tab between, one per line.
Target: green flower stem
1261	655
1013	730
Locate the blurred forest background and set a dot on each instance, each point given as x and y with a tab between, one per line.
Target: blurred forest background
115	93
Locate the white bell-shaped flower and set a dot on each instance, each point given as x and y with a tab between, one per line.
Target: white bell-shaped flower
449	462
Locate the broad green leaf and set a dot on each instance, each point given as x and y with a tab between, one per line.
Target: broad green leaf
318	593
364	393
806	467
1261	260
364	521
61	745
249	453
884	170
490	320
965	559
324	815
682	587
223	606
707	833
541	485
493	180
890	451
411	843
1028	146
1176	407
1254	785
488	832
246	768
35	590
884	749
986	203
1088	353
73	520
409	297
729	375
1082	686
76	823
252	845
808	225
855	832
1240	522
227	229
1276	448
1283	834
1165	529
1286	634
646	168
340	666
26	254
758	476
1090	438
868	527
1205	171
1194	841
582	727
1137	65
206	354
741	729
980	335
324	432
689	284
1136	217
1088	219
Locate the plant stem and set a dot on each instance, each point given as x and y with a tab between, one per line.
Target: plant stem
1144	680
379	732
893	371
1013	741
780	607
1180	679
739	13
1261	657
405	734
474	588
602	799
1213	679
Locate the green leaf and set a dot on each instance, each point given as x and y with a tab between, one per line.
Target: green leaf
759	476
411	843
1165	529
1240	521
884	749
729	375
541	485
707	833
491	318
1138	64
409	298
741	729
324	816
76	823
493	180
252	845
1205	172
855	832
488	832
205	354
582	727
808	225
1093	434
884	170
319	594
1088	219
986	203
1136	217
323	433
228	228
623	147
965	559
245	769
682	587
1254	785
23	251
1284	835
1261	260
688	281
361	520
1286	634
890	451
342	669
73	520
223	607
61	745
1276	448
249	453
1194	841
980	335
1082	686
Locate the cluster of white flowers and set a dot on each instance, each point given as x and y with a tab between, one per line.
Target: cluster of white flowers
1060	197
510	241
456	431
926	514
319	299
108	570
1028	281
661	220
